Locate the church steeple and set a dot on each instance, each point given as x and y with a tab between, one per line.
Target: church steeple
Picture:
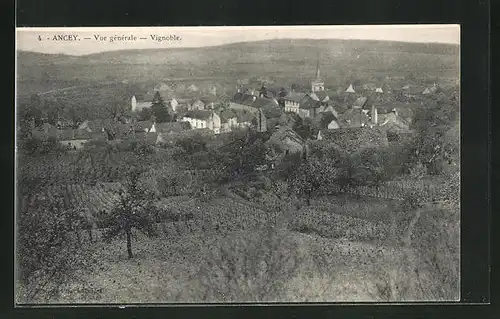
317	84
318	77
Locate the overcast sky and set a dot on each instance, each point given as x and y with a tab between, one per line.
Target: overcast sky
28	39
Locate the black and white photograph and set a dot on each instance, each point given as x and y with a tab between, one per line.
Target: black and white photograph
235	165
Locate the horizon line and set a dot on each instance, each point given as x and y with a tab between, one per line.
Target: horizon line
237	42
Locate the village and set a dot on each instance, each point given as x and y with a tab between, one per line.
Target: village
316	165
354	107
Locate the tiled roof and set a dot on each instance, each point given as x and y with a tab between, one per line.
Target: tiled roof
243	116
281	135
254	101
172	127
351	140
198	114
140	126
322	95
353	118
294	98
209	99
71	134
308	103
360	101
227	114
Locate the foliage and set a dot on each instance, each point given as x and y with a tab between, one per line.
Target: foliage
48	252
159	109
313	175
437	143
241	156
193	144
35	146
307	128
135	210
172	181
253	266
373	166
145	114
418	171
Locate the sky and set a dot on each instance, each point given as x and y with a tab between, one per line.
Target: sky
83	41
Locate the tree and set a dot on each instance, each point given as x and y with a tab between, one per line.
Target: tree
159	109
135	210
75	114
313	175
435	143
372	166
48	253
193	144
53	116
307	128
145	114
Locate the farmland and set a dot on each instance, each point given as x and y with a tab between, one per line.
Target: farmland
166	268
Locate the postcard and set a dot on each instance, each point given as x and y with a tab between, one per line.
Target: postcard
202	165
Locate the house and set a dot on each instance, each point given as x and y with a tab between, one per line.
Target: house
291	103
286	141
333	125
110	128
327	120
350	89
209	101
331	109
203	120
74	139
144	126
379	90
393	122
172	127
353	118
228	120
320	96
173	104
197	104
351	140
137	106
369	87
244	118
44	132
193	88
71	138
360	102
411	91
433	89
244	101
309	107
161	87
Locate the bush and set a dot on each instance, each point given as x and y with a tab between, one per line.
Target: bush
48	254
249	267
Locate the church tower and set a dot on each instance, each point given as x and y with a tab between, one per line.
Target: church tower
317	84
133	103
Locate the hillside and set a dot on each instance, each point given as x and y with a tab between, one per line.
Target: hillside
290	59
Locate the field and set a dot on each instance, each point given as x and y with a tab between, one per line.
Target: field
343	259
285	61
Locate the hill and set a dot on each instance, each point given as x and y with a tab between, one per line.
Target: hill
288	59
